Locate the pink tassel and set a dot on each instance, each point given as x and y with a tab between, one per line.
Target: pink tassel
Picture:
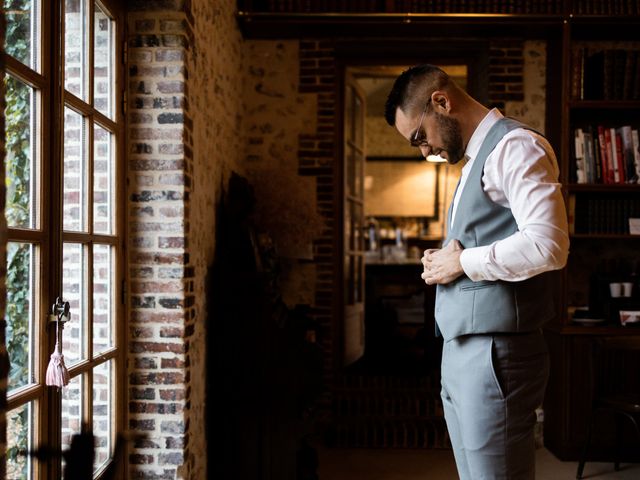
57	373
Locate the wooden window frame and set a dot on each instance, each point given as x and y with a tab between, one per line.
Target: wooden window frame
47	79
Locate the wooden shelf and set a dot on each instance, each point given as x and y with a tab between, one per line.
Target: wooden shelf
605	104
296	25
610	236
607	329
603	187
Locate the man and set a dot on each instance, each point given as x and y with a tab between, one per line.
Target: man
507	230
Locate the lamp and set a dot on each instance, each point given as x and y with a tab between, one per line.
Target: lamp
435	159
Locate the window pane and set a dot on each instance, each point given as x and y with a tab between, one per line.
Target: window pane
358	189
358	123
103	62
103	162
71	411
75	42
19	439
351	171
102	298
102	412
21	38
19	313
19	114
75	172
74	291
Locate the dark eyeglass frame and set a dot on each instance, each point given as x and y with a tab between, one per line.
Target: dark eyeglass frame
415	140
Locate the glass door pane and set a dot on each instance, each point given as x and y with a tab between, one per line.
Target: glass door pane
103	412
20	429
20	314
103	62
75	291
76	48
75	172
103	163
103	301
21	36
19	161
72	411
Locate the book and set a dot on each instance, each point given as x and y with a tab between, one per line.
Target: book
610	140
635	142
636	77
579	155
611	165
589	163
629	72
604	162
596	159
627	153
577	73
594	76
619	65
619	156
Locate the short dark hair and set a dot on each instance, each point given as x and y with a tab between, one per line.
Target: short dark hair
412	87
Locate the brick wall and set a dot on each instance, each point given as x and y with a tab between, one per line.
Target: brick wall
158	193
217	141
317	159
506	67
185	137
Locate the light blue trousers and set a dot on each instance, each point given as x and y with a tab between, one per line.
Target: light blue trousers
491	387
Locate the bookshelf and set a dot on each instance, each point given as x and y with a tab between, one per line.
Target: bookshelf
600	155
600	85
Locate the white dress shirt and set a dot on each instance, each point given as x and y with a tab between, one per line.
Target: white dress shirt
521	173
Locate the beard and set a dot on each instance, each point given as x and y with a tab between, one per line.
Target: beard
451	138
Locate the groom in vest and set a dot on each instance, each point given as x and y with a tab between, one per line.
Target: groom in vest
506	233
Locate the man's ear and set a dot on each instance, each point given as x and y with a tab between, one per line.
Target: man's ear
440	102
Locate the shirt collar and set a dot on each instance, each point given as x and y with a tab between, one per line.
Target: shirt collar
479	134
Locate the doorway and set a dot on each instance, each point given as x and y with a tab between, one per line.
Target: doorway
394	208
387	394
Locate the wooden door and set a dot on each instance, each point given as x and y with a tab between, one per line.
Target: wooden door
353	216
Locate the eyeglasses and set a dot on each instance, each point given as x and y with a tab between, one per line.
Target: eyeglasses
416	140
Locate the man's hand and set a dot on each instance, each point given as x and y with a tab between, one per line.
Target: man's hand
442	265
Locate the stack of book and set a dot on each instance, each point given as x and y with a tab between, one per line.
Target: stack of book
607	155
605	215
606	7
610	74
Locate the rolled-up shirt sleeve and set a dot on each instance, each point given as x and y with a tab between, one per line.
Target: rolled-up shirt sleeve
522	174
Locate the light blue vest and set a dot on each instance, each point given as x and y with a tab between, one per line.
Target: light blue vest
467	307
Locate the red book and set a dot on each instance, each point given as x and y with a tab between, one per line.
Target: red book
620	158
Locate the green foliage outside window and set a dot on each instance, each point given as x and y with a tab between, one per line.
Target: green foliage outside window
18	184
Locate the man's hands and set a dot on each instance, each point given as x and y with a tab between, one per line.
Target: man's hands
442	265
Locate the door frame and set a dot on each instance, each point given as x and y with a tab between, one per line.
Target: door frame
389	52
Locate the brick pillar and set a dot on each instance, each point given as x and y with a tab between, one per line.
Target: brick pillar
317	158
159	270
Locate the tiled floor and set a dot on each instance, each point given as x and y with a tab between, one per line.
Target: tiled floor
362	464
